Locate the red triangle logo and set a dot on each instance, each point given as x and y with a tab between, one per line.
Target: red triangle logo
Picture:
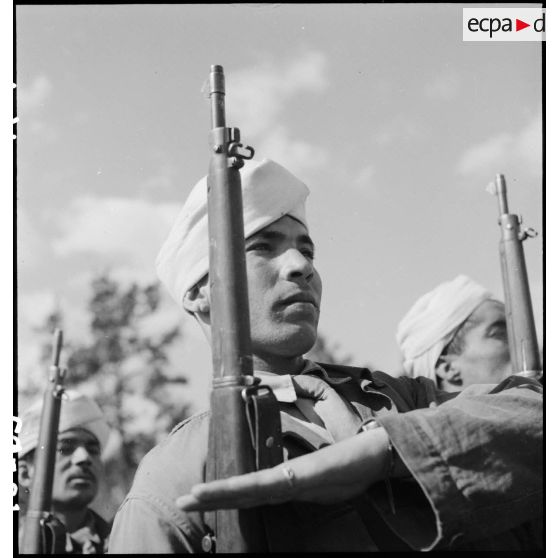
519	25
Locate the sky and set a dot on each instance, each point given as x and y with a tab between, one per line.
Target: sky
396	125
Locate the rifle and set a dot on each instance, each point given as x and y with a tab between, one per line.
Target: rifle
43	533
520	323
245	426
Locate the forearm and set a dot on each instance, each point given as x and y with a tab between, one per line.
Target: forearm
347	467
478	461
335	473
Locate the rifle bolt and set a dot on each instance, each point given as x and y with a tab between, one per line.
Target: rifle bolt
218	148
269	442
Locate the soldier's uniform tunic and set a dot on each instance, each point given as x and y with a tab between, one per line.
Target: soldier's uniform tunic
450	502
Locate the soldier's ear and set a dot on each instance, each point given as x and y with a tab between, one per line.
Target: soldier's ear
25	471
447	370
196	300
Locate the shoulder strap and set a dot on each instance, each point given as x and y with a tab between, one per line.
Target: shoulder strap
264	418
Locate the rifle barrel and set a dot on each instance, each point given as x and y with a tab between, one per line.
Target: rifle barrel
502	193
217	96
40	499
230	449
520	322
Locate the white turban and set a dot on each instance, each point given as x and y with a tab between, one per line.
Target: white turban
431	323
269	192
77	411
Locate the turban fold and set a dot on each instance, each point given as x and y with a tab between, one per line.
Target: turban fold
269	191
77	411
432	322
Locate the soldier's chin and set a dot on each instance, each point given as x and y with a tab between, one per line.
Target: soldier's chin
78	500
299	341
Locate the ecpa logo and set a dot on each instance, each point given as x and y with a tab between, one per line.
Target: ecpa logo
504	24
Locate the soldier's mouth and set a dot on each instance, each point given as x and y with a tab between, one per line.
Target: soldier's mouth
82	477
306	298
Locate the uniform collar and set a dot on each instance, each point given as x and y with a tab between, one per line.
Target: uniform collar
88	538
282	384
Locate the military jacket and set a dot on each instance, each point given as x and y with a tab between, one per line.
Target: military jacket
475	460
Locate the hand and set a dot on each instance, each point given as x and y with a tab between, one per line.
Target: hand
329	475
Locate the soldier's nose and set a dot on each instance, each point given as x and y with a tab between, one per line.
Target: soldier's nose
295	266
81	455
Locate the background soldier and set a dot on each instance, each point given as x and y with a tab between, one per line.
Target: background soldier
456	336
440	491
82	436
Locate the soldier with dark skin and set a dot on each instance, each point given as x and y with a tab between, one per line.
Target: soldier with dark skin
78	470
394	476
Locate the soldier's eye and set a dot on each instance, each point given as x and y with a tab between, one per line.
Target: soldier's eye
66	449
259	247
93	448
498	331
308	253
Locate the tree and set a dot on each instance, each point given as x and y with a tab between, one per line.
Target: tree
124	366
327	352
330	353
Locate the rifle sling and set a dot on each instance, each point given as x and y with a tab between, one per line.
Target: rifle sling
282	531
264	416
53	532
264	422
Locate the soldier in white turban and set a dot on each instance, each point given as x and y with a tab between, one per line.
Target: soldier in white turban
82	436
377	426
456	336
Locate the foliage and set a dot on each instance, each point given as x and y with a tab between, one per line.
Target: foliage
327	352
126	370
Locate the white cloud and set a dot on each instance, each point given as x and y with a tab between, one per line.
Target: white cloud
443	87
529	143
32	247
34	96
504	149
128	228
364	180
33	308
164	180
485	154
298	156
399	129
122	235
30	99
260	95
42	130
256	96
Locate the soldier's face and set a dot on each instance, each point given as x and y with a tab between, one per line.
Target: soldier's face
284	289
486	355
77	470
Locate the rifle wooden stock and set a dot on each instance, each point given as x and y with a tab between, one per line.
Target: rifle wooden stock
520	323
37	534
230	450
